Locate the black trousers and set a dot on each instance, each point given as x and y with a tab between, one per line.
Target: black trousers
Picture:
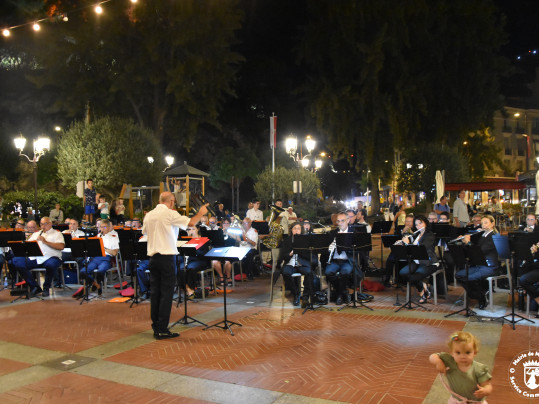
162	280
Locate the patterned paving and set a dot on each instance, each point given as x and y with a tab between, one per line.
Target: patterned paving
341	357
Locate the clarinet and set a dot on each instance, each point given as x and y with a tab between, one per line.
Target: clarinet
332	248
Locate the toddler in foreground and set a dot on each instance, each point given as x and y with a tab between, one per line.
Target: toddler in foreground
469	381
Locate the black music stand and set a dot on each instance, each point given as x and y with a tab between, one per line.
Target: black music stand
186	319
261	226
409	253
87	248
25	249
520	248
217	237
226	254
133	250
355	242
5	237
312	242
466	256
382	227
387	241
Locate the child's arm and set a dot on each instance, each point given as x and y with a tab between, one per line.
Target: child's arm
436	361
483	389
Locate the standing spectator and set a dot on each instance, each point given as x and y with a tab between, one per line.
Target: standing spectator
255	213
442	206
103	207
89	201
388	209
120	210
57	215
460	210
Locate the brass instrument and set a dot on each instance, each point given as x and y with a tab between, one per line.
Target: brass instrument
197	200
275	229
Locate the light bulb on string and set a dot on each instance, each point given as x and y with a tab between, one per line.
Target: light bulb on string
36	26
6	32
98	9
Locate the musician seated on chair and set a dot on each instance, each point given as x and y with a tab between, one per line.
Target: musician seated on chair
341	263
189	267
296	263
531	225
143	278
530	280
51	242
228	242
406	229
101	264
475	224
418	270
74	232
248	239
476	285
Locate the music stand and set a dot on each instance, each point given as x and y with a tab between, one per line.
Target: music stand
519	246
409	253
389	240
226	254
25	249
261	226
132	251
382	227
466	256
185	252
312	242
356	242
217	237
87	248
5	237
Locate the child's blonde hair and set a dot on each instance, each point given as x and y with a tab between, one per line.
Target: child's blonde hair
465	337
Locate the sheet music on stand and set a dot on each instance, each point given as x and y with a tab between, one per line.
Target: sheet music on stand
87	247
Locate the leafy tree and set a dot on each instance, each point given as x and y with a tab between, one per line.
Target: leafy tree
111	151
418	167
71	204
284	179
481	153
385	75
169	65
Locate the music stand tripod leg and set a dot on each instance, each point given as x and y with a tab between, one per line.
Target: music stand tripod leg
226	323
186	319
466	310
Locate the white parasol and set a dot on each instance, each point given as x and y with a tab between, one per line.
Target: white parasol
537	188
439	185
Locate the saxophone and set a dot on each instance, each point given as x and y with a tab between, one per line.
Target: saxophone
275	228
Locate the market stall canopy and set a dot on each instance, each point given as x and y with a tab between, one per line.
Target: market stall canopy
486	185
183	170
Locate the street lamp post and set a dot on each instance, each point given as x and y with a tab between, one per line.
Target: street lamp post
291	147
526	135
41	145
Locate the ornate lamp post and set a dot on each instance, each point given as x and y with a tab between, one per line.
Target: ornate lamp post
41	145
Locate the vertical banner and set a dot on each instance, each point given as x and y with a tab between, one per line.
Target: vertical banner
273	131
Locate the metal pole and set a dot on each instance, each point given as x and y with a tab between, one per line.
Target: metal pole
34	164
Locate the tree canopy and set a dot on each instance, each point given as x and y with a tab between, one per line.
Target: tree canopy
111	151
284	178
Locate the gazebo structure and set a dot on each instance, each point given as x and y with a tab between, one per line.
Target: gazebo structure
186	173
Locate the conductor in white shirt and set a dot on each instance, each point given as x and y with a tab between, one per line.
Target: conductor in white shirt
162	225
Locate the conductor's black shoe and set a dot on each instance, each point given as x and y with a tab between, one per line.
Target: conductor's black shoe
165	335
35	291
45	292
296	300
339	301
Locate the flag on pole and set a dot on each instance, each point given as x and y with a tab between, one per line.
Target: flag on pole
273	131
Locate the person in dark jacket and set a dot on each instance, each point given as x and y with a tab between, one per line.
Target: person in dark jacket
418	270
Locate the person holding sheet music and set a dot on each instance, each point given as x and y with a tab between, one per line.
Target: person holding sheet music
296	262
418	270
476	284
102	264
51	242
341	262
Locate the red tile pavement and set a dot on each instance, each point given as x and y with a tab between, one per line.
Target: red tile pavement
512	342
9	366
335	356
72	388
66	326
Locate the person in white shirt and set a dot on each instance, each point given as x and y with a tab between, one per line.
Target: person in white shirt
111	245
460	211
255	213
74	232
162	226
51	242
248	239
290	215
57	215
